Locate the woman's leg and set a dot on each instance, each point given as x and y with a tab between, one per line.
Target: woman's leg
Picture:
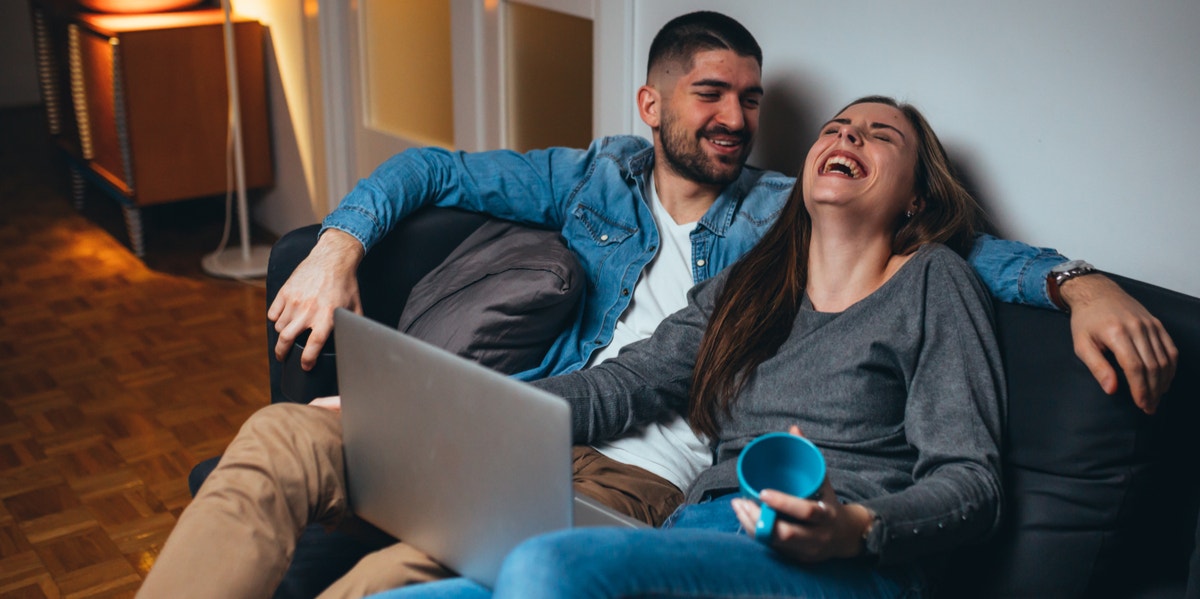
611	562
282	471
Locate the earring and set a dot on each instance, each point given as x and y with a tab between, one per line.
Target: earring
908	214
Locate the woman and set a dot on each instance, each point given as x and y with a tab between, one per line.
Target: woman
850	319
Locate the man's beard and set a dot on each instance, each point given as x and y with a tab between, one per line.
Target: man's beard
685	156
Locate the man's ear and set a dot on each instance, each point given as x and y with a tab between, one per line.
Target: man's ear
649	103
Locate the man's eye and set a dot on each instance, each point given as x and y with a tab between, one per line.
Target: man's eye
751	102
709	96
829	130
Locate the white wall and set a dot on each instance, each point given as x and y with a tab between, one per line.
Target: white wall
1078	122
293	77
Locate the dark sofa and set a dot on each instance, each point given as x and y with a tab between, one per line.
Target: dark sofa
1100	499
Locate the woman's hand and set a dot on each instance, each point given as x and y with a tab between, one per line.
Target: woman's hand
810	530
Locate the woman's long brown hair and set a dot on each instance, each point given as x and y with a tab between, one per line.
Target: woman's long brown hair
755	311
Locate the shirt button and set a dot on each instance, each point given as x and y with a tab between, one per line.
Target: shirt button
604	238
625	292
700	263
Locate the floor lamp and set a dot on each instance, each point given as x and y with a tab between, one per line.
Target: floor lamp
244	262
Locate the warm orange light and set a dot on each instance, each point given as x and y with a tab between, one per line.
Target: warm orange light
137	6
491	5
164	20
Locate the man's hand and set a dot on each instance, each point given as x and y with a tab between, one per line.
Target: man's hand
324	281
1105	318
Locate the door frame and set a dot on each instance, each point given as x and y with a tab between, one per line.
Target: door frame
352	150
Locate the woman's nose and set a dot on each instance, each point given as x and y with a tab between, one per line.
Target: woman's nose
849	133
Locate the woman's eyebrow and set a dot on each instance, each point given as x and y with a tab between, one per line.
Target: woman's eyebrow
845	121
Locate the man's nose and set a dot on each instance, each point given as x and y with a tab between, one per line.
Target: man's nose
730	115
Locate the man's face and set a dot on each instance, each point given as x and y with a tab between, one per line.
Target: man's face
709	117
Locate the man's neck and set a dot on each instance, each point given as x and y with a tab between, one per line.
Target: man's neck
685	200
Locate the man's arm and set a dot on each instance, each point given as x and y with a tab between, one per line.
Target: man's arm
1103	317
481	182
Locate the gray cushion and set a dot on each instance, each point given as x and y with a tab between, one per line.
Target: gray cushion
501	298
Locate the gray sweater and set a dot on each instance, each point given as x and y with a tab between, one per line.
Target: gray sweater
903	392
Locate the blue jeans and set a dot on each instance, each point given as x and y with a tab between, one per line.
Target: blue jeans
703	554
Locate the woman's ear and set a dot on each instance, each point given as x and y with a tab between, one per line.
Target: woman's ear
649	108
914	207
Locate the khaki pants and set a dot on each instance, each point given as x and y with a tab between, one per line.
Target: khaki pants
285	470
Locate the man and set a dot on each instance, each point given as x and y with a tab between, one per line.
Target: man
647	221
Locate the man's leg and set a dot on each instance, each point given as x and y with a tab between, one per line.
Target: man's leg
282	471
630	490
391	567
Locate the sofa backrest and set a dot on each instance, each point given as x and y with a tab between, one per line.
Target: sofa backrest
1100	499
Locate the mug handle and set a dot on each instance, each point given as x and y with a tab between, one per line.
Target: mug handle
764	529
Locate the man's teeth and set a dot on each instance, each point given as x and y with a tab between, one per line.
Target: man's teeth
724	142
843	165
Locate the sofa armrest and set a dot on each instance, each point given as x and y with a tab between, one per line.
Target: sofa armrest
1100	499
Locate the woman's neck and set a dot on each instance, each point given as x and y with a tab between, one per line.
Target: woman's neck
847	264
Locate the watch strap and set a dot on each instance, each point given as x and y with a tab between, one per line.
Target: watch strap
1061	274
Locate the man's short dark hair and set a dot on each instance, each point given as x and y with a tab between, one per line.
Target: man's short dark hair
684	36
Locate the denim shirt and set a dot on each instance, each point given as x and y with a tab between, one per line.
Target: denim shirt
596	197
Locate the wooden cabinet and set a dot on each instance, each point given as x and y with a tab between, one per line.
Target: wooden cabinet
149	99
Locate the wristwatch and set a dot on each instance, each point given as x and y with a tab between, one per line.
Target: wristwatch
1061	274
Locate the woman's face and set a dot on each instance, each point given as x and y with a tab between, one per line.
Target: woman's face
864	158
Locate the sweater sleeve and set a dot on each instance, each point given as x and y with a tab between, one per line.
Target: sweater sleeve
646	380
953	419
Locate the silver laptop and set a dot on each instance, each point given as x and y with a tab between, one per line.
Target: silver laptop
457	460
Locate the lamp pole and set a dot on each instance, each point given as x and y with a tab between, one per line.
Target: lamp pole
249	262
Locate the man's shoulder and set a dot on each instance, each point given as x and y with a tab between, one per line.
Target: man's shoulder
622	144
631	152
757	178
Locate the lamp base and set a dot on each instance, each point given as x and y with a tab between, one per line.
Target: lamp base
230	264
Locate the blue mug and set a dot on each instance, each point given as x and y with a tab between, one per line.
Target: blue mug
782	462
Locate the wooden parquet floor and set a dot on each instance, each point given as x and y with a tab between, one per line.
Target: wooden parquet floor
116	376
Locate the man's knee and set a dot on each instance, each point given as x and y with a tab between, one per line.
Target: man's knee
293	424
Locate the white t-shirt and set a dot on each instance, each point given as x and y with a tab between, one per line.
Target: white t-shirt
669	449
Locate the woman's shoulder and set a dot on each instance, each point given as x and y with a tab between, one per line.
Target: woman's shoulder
940	257
944	268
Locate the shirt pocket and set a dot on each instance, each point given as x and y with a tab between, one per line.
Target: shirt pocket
600	228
